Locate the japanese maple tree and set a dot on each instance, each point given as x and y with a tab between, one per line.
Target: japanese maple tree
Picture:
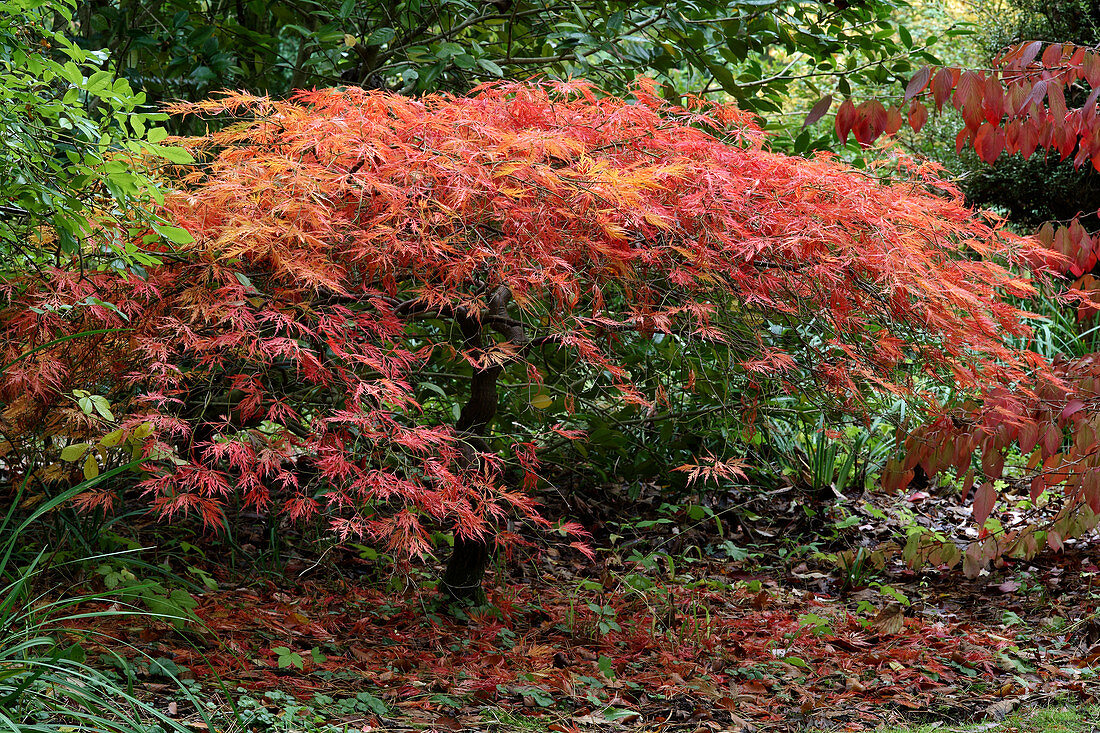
348	243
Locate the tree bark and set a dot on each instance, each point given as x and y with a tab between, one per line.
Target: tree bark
465	571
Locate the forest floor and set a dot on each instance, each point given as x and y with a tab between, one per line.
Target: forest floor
674	626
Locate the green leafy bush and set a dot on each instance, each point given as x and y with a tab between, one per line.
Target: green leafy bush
75	148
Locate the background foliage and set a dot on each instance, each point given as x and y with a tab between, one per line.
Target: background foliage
758	52
73	140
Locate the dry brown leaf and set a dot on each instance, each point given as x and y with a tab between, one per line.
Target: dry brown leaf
1000	709
890	620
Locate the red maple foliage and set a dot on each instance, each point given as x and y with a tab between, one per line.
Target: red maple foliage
1019	106
344	240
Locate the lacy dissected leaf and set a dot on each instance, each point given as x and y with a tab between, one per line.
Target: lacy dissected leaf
345	240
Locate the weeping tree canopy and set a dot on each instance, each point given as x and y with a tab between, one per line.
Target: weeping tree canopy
352	246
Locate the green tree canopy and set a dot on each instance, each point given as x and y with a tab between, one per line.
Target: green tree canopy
753	50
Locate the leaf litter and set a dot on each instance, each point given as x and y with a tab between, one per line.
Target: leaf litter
661	632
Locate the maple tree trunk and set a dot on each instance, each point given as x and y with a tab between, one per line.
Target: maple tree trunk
466	569
470	557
